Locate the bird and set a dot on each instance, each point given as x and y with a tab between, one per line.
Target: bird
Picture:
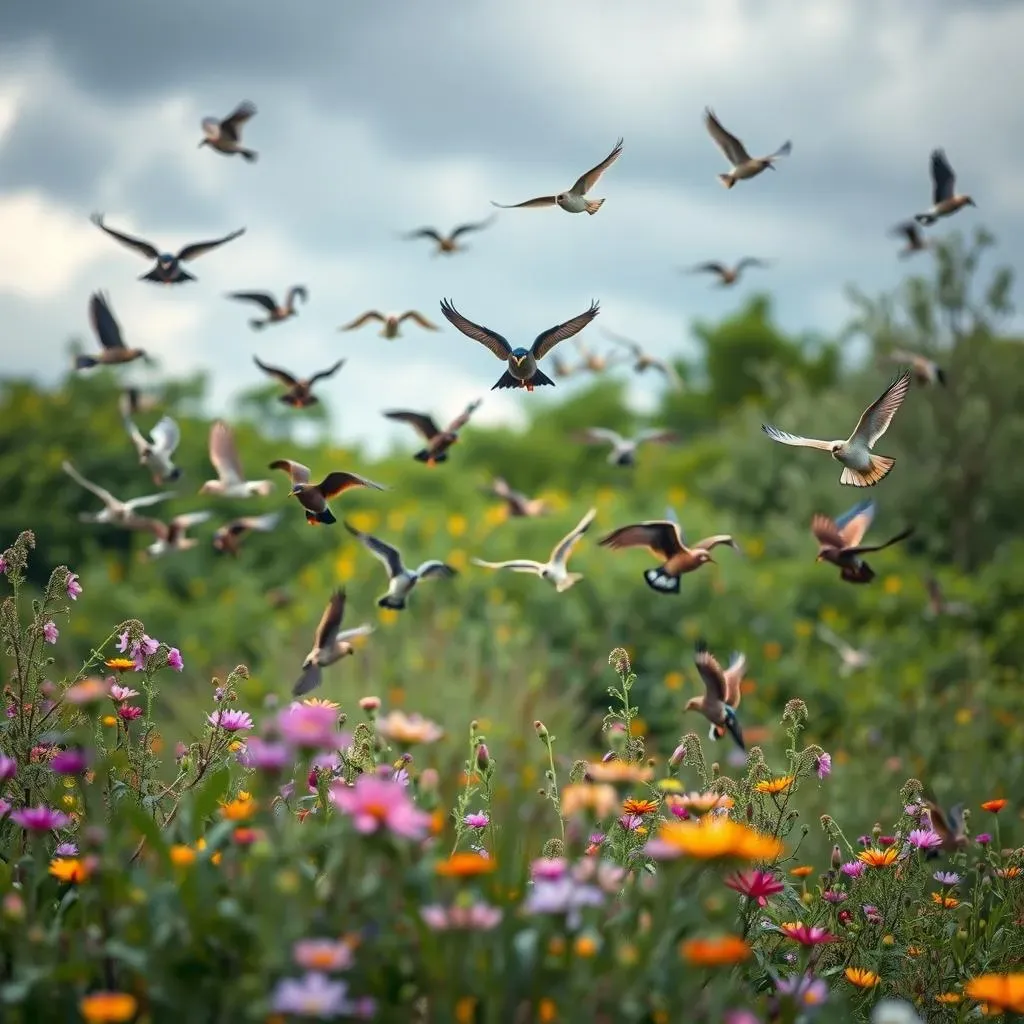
839	541
592	360
644	361
742	165
230	482
330	644
915	241
392	322
951	827
226	136
522	369
851	658
300	389
314	497
114	512
727	275
400	580
861	467
517	503
945	199
228	538
170	536
438	440
624	449
168	268
156	452
573	201
448	244
275	313
664	539
926	371
937	603
721	693
560	369
113	349
555	569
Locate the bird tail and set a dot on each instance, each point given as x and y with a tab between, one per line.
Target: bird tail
727	180
880	467
862	573
506	380
661	581
926	219
249	154
309	680
174	474
396	604
732	723
539	379
593	205
429	458
571	579
85	362
625	459
326	517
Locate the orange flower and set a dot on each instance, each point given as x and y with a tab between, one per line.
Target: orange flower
70	869
119	664
639	806
108	1007
464	865
547	1011
601	799
914	951
182	855
720	837
878	858
948	997
1011	872
716	952
240	809
861	977
465	1010
618	771
773	786
995	806
701	803
1002	991
949	902
801	871
409	729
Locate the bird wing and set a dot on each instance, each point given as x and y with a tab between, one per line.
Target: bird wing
260	298
601	435
423	424
419	318
708	543
491	339
585	182
166	435
237	118
635	347
297	291
659	536
711	267
750	261
434	569
730	146
278	374
324	374
794	439
425	233
831	639
875	419
464	229
943	178
390	556
825	531
104	495
561	551
297	472
196	249
852	525
224	454
159	529
370	314
515	564
711	673
463	418
547	340
147	499
733	679
656	435
103	323
187	519
351	634
339	481
140	442
330	622
138	244
264	523
868	548
530	203
910	231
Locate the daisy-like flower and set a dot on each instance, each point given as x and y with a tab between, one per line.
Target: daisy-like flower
230	721
376	804
321	702
265	756
701	803
121	693
322	954
1002	991
310	728
241	808
774	786
871	913
994	806
618	771
720	837
71	870
314	995
948	902
861	977
600	799
878	858
477	819
636	806
924	839
630	822
715	952
564	896
39	819
803	989
549	868
853	868
476	917
407	730
108	1007
129	712
823	765
805	934
834	896
946	877
1011	872
755	885
174	659
50	632
465	865
74	587
949	998
66	850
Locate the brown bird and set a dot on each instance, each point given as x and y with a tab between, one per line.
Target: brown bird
108	333
593	361
438	441
945	198
951	828
299	394
743	166
839	541
275	313
314	497
392	322
926	371
331	643
937	603
664	539
228	538
517	503
727	275
721	695
170	536
449	244
915	241
226	136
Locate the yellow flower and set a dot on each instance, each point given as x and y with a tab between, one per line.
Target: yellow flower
1003	991
585	946
364	521
674	680
182	855
878	858
773	786
801	871
861	977
108	1007
457	524
635	806
321	702
720	837
119	664
963	716
465	1010
618	771
108	720
600	798
201	845
949	902
892	585
669	785
70	869
240	809
700	803
717	952
464	865
948	997
405	729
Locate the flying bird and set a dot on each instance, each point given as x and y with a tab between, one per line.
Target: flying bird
573	201
400	580
275	313
664	539
926	371
228	538
391	321
861	468
517	503
231	481
951	827
840	541
300	389
331	643
560	369
937	603
624	449
742	165
314	497
644	361
915	240
226	136
114	512
170	536
168	269
851	659
449	244
592	360
438	440
721	693
522	369
155	452
945	199
727	275
108	333
555	569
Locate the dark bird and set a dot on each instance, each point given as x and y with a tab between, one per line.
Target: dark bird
721	693
300	390
517	503
228	538
438	440
391	322
331	643
727	275
945	199
275	313
839	541
314	497
522	369
168	269
742	164
915	241
664	539
108	333
226	136
449	244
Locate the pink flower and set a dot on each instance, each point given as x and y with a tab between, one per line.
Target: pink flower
69	762
374	803
823	763
39	819
174	659
369	703
477	820
8	767
548	868
322	954
230	721
924	839
3	565
806	934
74	587
120	693
478	917
872	913
310	727
50	632
129	712
853	868
678	756
122	641
983	839
148	646
630	822
265	756
755	885
4	807
833	895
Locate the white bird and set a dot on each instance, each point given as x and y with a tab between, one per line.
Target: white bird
400	579
742	164
170	536
115	512
157	451
555	569
861	468
392	322
852	659
574	200
623	451
945	198
230	482
330	644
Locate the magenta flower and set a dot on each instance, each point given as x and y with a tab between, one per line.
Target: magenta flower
477	917
884	841
148	646
477	820
807	934
121	693
322	954
833	895
129	712
74	587
853	868
872	913
174	659
69	762
314	995
230	721
265	756
39	819
823	764
122	641
3	565
864	840
740	1017
376	804
983	839
924	839
4	807
8	767
678	756
755	885
630	822
50	632
310	727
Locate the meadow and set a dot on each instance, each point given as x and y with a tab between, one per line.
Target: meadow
497	809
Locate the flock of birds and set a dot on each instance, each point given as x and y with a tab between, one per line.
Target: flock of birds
840	540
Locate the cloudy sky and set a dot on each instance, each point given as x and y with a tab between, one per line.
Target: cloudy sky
378	118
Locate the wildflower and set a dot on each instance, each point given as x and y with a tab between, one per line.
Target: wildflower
631	822
39	819
241	808
322	954
618	771
464	865
548	868
120	664
601	799
314	995
265	756
129	712
949	902
639	806
70	869
861	977
823	765
8	767
374	803
994	806
983	839
801	871
230	721
309	728
833	896
370	703
755	885
215	857
1011	872
564	896
853	868
69	762
409	729
774	786
477	820
740	1017
1002	991
121	693
878	858
946	877
88	691
702	803
108	1007
66	850
476	917
805	934
924	839
717	952
949	998
803	988
871	913
181	855
721	837
74	587
50	632
174	659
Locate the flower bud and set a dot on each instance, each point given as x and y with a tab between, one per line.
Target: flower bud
542	731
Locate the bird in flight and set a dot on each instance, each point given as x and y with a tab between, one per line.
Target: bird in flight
275	313
555	569
644	361
314	497
624	449
926	371
727	275
721	695
840	541
112	347
851	658
156	451
114	512
915	240
228	538
300	389
168	269
945	198
230	482
742	164
573	201
448	245
170	536
592	360
226	136
438	440
391	322
331	643
861	467
522	369
516	503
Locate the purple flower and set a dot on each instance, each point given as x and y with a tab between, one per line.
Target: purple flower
148	646
8	767
740	1017
864	840
265	756
322	954
3	565
122	642
4	807
66	850
174	659
39	819
983	839
478	917
596	838
803	988
563	896
313	995
310	727
630	822
833	895
74	587
872	913
50	632
230	721
477	820
853	868
69	762
924	839
946	877
823	763
374	804
121	693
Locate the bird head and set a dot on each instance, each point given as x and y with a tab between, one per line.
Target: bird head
704	556
165	259
519	356
561	198
837	447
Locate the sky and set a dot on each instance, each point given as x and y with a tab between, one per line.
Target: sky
376	119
